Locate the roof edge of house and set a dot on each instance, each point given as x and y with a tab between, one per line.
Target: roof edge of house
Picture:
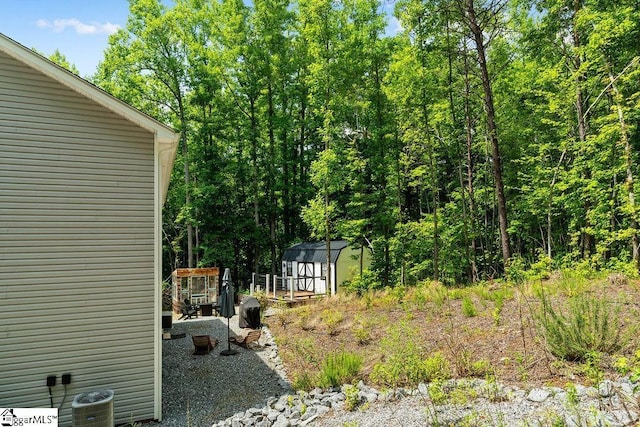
164	133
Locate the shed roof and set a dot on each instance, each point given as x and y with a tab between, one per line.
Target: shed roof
166	137
314	252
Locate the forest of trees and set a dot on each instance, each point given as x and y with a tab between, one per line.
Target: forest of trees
481	133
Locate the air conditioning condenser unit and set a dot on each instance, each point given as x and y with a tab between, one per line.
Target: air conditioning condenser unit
93	409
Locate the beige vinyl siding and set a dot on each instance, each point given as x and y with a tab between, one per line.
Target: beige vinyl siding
76	248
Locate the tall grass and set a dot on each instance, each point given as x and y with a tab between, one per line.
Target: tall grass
405	363
585	325
339	368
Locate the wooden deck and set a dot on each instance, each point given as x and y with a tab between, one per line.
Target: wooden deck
299	297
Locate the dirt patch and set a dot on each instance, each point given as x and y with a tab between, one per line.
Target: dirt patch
480	329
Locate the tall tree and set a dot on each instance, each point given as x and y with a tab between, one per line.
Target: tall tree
145	65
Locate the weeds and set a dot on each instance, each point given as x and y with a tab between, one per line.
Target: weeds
362	330
437	366
591	368
352	398
339	368
305	348
523	363
437	392
468	308
332	319
399	332
404	362
467	367
631	367
498	297
303	381
303	317
586	325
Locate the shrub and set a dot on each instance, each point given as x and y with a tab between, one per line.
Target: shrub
389	297
332	318
437	366
515	271
303	381
339	368
585	326
404	362
263	300
362	283
468	308
302	315
362	330
352	397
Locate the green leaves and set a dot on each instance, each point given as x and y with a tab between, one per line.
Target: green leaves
304	121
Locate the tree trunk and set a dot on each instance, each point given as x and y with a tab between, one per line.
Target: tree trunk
255	186
271	180
187	180
492	129
469	140
587	240
434	190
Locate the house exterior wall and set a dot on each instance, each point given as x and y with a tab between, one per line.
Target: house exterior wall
78	225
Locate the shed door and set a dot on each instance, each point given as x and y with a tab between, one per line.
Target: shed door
305	276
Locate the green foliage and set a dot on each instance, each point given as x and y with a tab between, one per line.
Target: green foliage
305	120
584	326
468	307
499	296
437	392
405	363
436	366
263	300
361	330
332	318
352	398
467	366
302	315
339	368
592	369
631	367
516	271
305	348
362	283
303	381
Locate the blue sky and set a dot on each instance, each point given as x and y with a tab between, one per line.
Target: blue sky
78	29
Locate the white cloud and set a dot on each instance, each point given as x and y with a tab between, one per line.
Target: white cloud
60	25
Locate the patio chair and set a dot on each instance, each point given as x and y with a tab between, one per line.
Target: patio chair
243	341
203	344
188	310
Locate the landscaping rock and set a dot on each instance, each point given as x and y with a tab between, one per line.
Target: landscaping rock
538	395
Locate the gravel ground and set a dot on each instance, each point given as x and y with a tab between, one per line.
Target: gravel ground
198	391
